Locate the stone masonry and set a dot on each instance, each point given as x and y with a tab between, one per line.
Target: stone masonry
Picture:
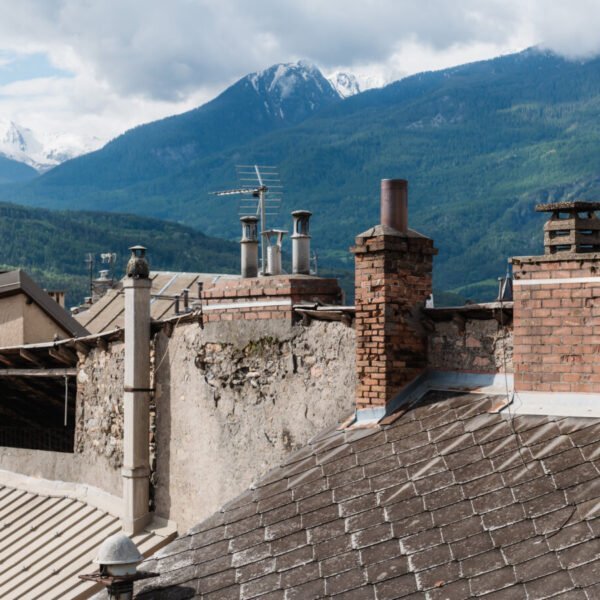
471	345
393	280
99	413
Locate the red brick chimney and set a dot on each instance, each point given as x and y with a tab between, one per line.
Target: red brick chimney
557	304
393	280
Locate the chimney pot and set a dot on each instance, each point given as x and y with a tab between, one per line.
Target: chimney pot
301	242
274	239
394	204
249	246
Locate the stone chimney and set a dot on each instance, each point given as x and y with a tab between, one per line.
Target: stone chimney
557	304
136	459
393	281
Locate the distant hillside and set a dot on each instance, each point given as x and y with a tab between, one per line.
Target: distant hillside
52	245
12	171
480	144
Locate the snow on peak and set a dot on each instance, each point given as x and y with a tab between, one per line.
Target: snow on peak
283	79
291	91
41	152
345	84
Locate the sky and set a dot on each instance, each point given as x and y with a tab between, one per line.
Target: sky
94	68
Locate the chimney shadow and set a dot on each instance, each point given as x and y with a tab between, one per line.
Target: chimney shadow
177	592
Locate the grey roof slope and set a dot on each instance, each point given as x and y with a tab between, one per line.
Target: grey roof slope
108	313
13	282
447	502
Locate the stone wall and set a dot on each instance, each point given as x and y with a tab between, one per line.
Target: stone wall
233	399
99	413
474	345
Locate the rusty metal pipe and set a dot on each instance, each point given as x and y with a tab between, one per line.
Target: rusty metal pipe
394	204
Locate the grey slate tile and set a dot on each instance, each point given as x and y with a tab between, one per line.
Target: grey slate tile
447	502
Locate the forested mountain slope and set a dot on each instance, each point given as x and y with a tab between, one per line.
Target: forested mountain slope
480	144
52	245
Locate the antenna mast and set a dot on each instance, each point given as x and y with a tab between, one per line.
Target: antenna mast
260	193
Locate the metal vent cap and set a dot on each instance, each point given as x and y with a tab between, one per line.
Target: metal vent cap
118	549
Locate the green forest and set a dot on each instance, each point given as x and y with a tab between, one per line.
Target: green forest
52	246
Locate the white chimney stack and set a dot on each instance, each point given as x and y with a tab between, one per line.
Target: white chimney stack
301	243
249	246
136	456
275	240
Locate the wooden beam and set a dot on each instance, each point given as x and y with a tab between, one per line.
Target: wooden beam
31	357
63	355
72	372
6	361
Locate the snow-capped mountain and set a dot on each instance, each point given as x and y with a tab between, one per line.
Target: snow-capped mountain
38	151
345	84
292	91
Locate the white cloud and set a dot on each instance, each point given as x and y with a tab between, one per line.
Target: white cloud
134	61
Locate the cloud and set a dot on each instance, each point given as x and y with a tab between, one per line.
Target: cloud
134	60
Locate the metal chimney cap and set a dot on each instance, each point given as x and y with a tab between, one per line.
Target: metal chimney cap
249	219
118	549
133	248
302	213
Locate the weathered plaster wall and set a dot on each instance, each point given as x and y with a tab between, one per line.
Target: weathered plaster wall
480	345
233	399
38	326
22	323
61	466
11	320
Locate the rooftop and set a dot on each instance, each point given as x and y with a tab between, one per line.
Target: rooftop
49	536
448	501
15	282
109	312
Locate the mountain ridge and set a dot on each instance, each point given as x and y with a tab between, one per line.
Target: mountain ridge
479	143
42	153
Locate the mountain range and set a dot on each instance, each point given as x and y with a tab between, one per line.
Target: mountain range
480	144
40	152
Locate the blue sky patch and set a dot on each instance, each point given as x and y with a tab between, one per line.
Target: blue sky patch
22	67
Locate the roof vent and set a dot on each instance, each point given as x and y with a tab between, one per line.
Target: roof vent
118	555
118	558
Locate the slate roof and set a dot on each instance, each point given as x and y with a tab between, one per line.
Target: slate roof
447	502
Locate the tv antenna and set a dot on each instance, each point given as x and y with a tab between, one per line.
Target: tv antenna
260	193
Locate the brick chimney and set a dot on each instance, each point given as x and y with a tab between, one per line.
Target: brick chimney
557	304
393	281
